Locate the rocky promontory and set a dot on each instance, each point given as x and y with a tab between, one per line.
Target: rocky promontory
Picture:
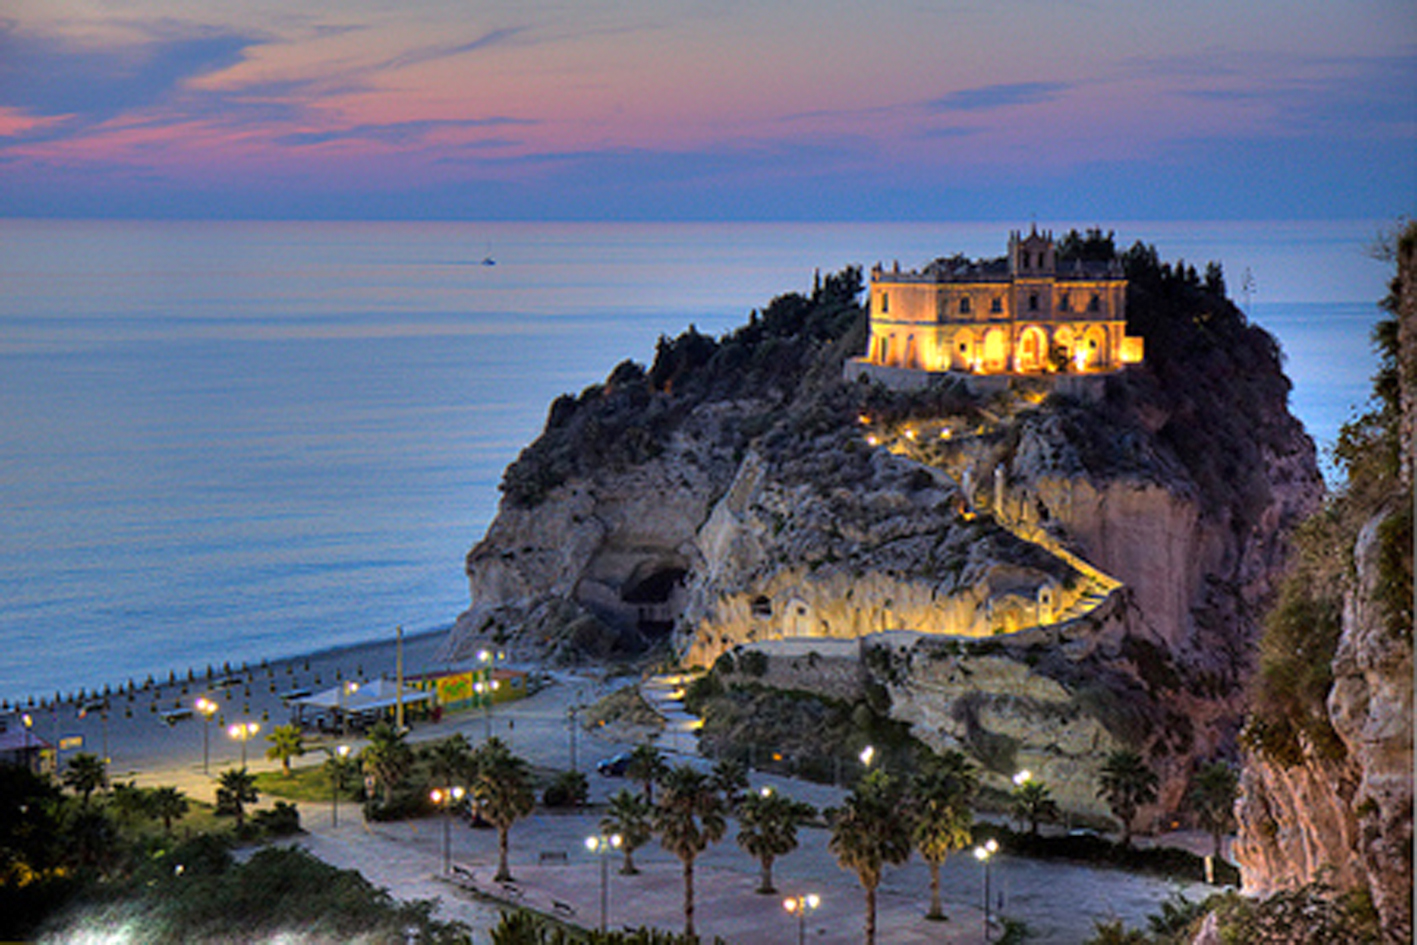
1037	573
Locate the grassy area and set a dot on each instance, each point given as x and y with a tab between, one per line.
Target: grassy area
310	783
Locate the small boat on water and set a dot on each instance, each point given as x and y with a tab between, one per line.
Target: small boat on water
487	260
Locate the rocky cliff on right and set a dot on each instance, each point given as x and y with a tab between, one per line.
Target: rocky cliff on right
1327	799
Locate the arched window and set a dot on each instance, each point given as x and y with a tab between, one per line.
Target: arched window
997	305
1033	302
1094	304
1032	349
1063	302
964	305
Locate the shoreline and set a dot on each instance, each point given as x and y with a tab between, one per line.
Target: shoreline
37	701
135	732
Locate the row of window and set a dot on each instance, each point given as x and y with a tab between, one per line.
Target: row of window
996	304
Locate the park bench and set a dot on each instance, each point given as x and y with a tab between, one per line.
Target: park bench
552	856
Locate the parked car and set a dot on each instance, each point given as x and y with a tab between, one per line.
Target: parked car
615	766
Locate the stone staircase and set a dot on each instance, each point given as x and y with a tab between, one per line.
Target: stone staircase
1099	586
665	695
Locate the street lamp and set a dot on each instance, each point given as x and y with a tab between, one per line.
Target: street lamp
337	760
602	846
488	659
345	688
1023	777
571	713
208	708
984	854
800	906
446	797
867	755
29	724
243	732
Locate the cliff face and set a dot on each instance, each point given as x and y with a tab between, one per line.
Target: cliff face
1092	565
1340	809
1346	820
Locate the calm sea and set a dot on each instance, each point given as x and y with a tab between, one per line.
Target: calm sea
236	441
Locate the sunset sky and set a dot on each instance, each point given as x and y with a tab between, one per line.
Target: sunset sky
662	110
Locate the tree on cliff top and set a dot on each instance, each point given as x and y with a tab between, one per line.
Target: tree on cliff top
628	420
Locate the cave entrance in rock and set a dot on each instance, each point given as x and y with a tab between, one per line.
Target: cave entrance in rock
655	592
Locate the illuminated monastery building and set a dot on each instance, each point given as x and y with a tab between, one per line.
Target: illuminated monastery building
1026	314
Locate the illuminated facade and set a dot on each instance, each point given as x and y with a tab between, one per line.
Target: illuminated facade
1024	314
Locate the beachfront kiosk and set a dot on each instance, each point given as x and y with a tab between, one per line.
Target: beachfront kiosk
425	696
358	705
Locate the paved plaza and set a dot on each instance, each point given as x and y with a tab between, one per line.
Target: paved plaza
555	873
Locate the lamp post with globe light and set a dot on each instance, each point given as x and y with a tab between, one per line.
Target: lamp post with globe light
208	708
28	721
602	846
337	760
488	658
345	688
984	854
243	732
800	906
447	797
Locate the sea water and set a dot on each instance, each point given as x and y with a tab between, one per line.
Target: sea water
227	441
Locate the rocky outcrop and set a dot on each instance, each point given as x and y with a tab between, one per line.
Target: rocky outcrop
1339	810
897	549
1345	819
1112	551
1371	708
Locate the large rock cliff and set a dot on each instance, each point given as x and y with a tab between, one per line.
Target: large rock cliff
1331	799
1071	574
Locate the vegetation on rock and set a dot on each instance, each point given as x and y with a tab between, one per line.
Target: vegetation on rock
630	418
1289	716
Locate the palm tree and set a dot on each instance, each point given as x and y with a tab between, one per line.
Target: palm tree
287	742
1212	798
450	761
236	787
767	830
688	818
501	788
941	815
1127	783
730	778
387	758
646	766
1033	803
632	818
131	803
167	804
85	774
868	832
